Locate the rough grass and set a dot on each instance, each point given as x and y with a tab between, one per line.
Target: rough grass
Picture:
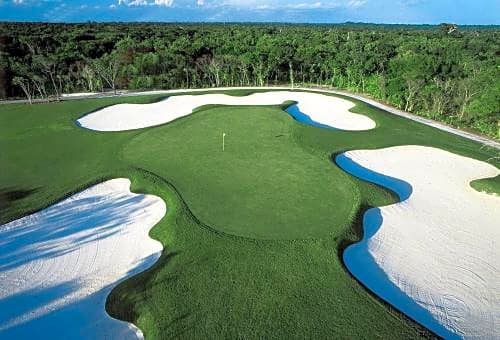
288	283
487	185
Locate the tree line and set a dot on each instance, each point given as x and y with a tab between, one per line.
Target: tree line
444	72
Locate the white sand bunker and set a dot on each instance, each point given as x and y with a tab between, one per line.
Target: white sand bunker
79	94
58	266
435	255
326	110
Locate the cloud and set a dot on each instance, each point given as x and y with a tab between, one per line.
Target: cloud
138	3
355	3
291	4
305	5
165	3
378	11
259	5
412	2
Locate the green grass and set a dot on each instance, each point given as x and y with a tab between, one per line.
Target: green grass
264	185
488	185
242	258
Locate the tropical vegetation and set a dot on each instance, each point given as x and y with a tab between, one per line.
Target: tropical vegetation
444	72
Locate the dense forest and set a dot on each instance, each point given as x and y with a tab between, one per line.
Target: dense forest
444	72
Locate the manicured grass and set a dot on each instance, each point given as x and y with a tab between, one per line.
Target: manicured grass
488	185
44	153
264	185
275	176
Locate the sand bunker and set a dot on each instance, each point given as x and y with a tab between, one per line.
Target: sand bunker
325	110
436	254
79	94
57	266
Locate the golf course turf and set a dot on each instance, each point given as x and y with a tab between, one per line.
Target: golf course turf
253	236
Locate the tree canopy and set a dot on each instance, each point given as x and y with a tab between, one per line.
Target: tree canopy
444	72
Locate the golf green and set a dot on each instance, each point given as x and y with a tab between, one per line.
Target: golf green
263	185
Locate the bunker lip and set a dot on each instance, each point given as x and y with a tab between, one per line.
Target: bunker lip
70	256
432	259
321	110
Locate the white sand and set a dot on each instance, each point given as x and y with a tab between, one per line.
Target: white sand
440	246
58	266
390	109
79	94
326	110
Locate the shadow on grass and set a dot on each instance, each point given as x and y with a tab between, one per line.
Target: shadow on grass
120	304
123	300
12	194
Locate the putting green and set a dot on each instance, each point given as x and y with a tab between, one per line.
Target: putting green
264	185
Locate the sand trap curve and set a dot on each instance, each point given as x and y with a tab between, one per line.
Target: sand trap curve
325	110
58	266
436	254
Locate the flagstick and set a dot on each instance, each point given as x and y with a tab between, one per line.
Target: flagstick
223	137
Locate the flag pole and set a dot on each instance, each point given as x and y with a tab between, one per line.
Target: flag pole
223	137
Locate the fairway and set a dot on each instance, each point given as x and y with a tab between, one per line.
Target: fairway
253	236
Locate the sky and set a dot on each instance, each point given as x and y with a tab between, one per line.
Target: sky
470	12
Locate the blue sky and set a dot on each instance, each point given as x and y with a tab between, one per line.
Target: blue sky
314	11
